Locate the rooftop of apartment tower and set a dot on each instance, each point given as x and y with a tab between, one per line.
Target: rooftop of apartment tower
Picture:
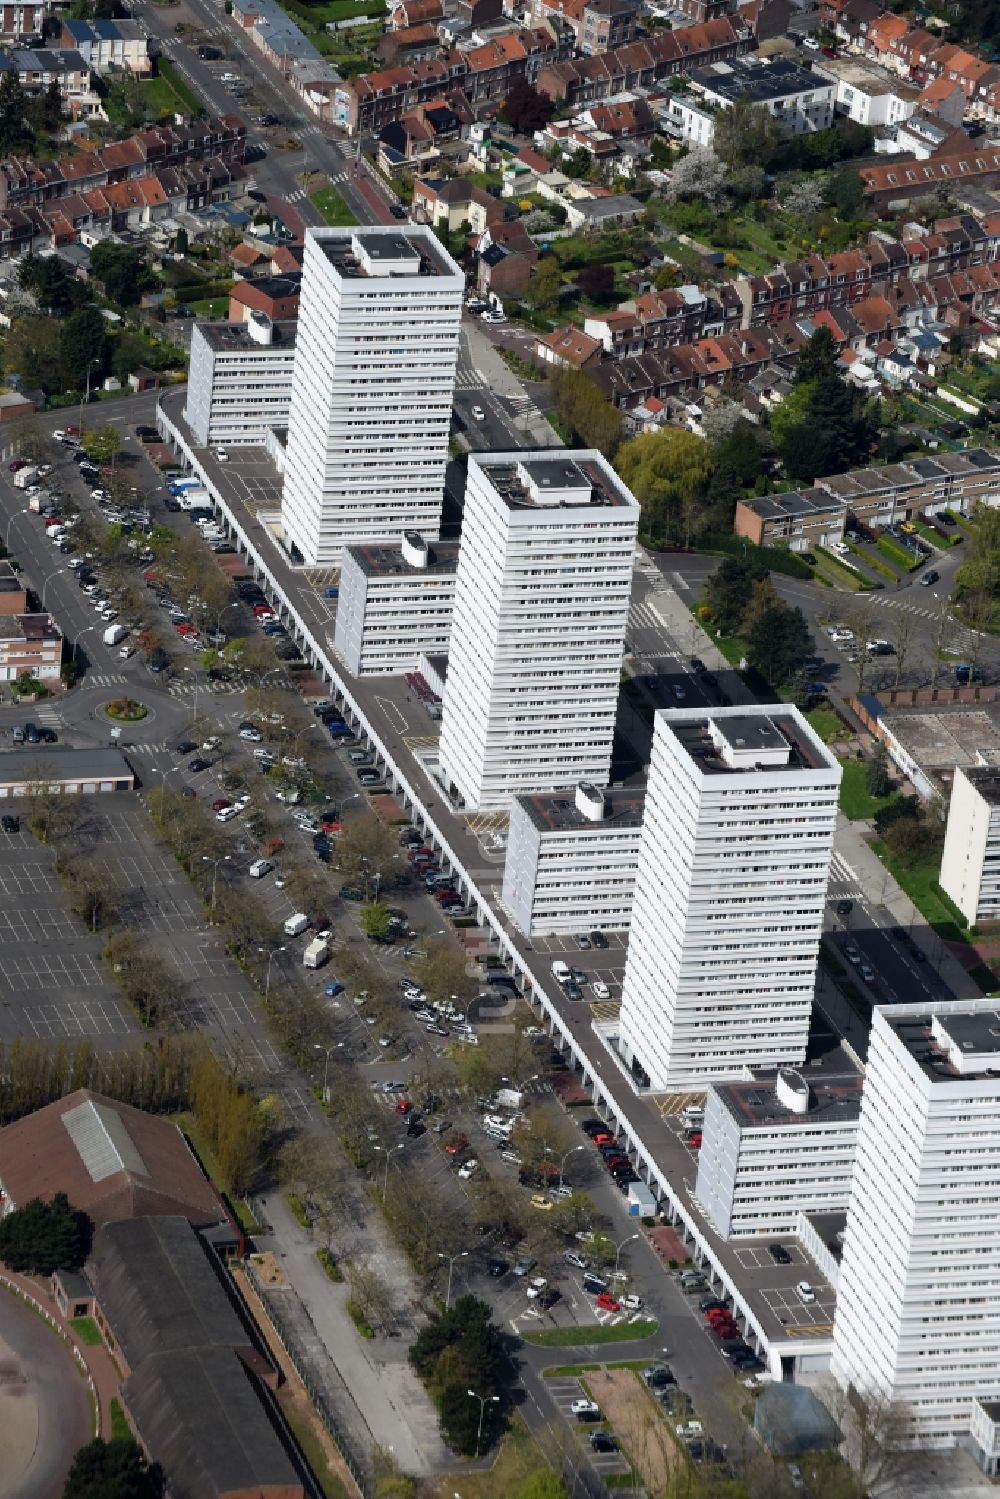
550	480
385	254
728	743
963	1045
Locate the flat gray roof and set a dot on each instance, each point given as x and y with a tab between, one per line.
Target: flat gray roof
411	243
378	561
233	337
832	1099
974	1032
986	780
558	810
830	1228
60	762
585	482
765	732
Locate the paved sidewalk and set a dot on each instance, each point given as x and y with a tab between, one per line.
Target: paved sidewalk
391	1407
503	382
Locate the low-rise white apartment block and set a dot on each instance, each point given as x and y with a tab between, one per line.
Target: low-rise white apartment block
867	94
800	101
777	1146
239	380
538	638
370	412
395	604
918	1306
571	860
970	861
737	840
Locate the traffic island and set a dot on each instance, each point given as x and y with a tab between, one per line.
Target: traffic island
125	710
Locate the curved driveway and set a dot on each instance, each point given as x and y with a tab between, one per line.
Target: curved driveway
44	1411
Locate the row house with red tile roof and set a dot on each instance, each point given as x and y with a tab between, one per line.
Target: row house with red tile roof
596	25
896	183
922	56
23	181
660	320
488	72
805	286
643	63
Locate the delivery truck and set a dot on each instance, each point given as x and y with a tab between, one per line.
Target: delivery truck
316	953
25	476
114	633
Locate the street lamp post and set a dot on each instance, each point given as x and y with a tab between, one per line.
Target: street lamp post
48	580
388	1156
621	1246
562	1164
451	1258
78	637
484	1401
318	1046
215	872
6	539
85	398
270	959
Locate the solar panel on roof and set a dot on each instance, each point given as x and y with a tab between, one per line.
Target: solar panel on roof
102	1142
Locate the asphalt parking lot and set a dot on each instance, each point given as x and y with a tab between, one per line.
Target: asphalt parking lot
53	984
564	1390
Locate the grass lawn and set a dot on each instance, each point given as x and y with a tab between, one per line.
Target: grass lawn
333	208
855	801
169	75
119	1424
575	1337
828	725
330	1485
837	572
918	880
518	1458
86	1330
213	308
166	94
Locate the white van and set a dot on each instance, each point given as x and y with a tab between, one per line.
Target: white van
561	971
296	924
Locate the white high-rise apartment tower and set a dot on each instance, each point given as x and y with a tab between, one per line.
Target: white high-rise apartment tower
735	858
372	389
918	1305
538	632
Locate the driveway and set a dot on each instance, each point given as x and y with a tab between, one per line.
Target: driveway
391	1407
44	1413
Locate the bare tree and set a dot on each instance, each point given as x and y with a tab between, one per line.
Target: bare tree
861	619
904	629
442	970
977	613
940	635
372	1296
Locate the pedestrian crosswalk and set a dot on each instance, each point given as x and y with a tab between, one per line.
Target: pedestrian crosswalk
146	747
189	689
470	380
296	196
643	616
104	679
957	637
844	881
51	718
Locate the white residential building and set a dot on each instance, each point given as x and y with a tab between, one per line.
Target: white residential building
777	1146
372	390
572	859
867	94
538	637
800	101
239	380
737	840
970	862
395	604
918	1308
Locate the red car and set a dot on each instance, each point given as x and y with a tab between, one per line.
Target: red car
403	1106
263	611
456	1145
694	1141
607	1303
18	463
220	804
718	1314
604	1139
726	1332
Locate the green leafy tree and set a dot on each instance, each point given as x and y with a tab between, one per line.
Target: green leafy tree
48	280
44	1236
597	282
746	135
460	1416
83	342
441	970
582	407
121	270
546	281
980	571
877	779
374	919
15	132
33	350
817	360
778	643
103	444
111	1470
845	193
823	425
181	241
663	469
729	590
